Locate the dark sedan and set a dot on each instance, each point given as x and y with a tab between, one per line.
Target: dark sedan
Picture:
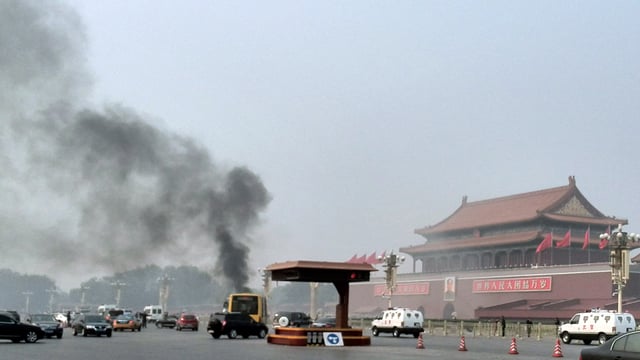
325	322
16	331
167	322
91	324
233	324
48	324
624	346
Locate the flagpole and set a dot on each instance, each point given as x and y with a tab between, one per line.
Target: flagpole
570	234
551	263
589	245
569	253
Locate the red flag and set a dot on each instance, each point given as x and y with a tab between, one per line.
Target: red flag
372	258
566	240
353	258
587	234
547	242
604	241
381	257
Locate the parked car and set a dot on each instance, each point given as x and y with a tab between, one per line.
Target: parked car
167	321
325	322
233	324
624	346
91	324
291	318
48	323
14	330
127	322
187	321
14	314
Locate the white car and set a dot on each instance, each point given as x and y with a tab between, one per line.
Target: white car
62	318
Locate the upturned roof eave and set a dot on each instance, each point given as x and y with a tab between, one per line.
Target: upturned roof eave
564	194
586	220
566	190
432	229
473	242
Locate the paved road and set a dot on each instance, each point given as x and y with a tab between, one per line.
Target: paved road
167	344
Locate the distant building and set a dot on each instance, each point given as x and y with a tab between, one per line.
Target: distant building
534	255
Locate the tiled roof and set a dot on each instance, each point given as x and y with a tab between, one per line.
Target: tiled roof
518	208
502	239
576	241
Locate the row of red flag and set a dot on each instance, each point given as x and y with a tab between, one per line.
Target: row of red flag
371	259
547	242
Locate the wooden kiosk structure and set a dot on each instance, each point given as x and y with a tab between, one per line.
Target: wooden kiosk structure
341	274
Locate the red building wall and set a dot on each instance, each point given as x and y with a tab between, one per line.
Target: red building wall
559	291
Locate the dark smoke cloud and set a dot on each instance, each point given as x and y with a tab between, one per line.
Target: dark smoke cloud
104	188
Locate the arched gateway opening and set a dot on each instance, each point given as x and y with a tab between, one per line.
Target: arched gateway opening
340	274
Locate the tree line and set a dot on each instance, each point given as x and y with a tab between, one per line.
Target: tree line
190	289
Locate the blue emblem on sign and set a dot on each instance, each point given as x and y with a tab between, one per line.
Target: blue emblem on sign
333	338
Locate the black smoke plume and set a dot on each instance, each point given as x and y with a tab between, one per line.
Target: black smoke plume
84	188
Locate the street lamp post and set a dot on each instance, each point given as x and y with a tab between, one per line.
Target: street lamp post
27	294
618	242
313	292
52	294
118	285
266	281
266	285
391	263
83	293
163	293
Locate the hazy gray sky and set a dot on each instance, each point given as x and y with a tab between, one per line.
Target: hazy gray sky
368	119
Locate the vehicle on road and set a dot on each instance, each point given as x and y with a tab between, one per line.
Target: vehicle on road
596	325
624	346
14	330
398	321
112	314
324	322
234	324
48	323
91	324
154	312
291	318
127	322
187	321
167	321
14	314
251	303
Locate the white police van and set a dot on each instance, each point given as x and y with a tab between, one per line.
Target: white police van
154	313
599	325
398	321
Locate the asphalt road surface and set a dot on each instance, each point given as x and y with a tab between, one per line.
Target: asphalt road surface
169	344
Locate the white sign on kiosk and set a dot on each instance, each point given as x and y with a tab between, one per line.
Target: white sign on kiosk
333	339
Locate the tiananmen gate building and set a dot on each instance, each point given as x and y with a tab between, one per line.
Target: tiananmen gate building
535	255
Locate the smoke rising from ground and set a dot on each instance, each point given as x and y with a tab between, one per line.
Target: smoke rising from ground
85	189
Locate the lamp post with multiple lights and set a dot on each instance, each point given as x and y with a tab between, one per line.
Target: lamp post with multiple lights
390	263
163	291
118	285
619	243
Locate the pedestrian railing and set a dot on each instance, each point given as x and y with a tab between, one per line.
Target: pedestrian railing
471	328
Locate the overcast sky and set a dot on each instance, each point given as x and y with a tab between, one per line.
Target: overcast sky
366	120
